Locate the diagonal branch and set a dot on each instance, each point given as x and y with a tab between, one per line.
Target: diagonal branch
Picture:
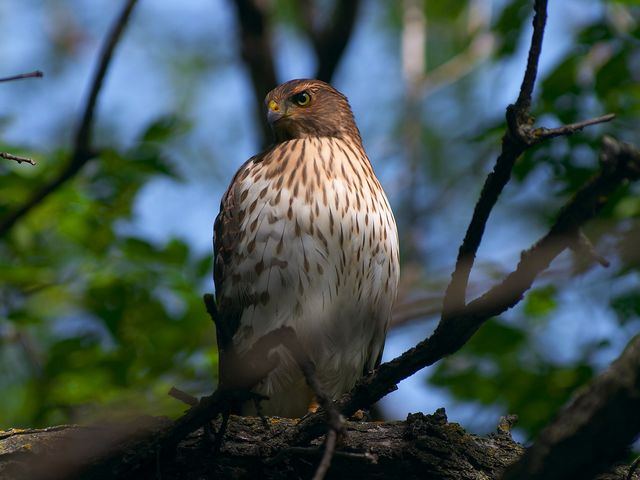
520	136
620	163
512	148
254	365
82	151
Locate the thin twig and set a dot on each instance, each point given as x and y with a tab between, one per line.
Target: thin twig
183	396
22	76
85	125
17	158
583	246
368	456
81	150
327	456
543	133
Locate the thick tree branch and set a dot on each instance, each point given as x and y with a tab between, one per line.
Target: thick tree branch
256	50
81	151
593	431
423	446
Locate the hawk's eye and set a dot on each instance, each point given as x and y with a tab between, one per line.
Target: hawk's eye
301	99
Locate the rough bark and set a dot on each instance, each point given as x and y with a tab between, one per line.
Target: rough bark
422	446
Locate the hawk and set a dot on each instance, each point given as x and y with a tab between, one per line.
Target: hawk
306	238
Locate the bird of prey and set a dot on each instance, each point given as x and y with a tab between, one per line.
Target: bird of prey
306	238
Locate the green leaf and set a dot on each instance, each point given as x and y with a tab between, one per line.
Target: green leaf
541	301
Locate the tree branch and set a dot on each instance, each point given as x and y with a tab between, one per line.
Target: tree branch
512	148
543	133
255	44
526	88
330	40
422	446
22	76
16	158
257	363
520	136
81	152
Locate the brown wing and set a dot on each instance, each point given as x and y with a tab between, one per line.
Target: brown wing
227	233
226	236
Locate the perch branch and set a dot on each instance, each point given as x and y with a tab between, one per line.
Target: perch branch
81	151
254	366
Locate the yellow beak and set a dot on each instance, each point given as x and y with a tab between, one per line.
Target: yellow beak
274	112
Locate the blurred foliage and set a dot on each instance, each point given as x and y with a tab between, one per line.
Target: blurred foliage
91	317
95	318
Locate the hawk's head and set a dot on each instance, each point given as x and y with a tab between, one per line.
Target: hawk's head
309	108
